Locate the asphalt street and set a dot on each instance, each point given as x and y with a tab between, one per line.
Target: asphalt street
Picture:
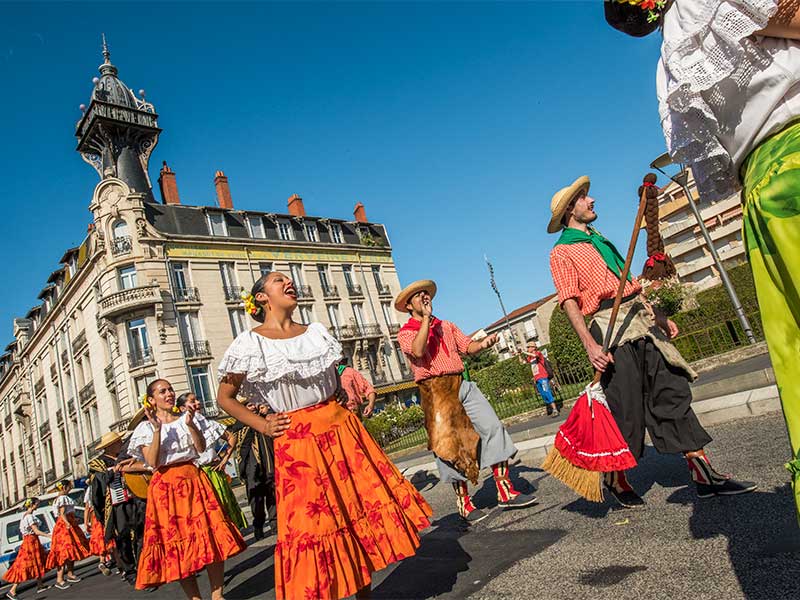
565	548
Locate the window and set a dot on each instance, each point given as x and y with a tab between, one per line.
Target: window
236	316
138	340
228	274
47	456
388	313
256	227
264	268
92	421
376	274
333	315
347	270
324	278
358	313
306	314
180	276
120	229
296	273
127	277
216	223
189	326
311	232
285	230
336	233
139	386
202	389
530	329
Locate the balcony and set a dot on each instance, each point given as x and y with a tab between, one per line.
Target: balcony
384	290
128	300
7	421
44	429
71	406
38	387
79	342
49	476
60	417
394	328
189	295
354	332
64	359
304	293
330	292
122	245
53	372
86	393
378	378
140	358
196	349
354	290
232	293
65	466
108	372
210	409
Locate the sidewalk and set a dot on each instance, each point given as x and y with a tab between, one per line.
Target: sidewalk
733	391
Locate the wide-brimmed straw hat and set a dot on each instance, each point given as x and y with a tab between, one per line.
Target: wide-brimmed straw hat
562	199
407	292
107	439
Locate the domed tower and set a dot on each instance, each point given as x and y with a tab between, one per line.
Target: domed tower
118	131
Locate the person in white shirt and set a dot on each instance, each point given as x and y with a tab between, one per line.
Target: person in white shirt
31	559
183	519
728	85
68	543
344	510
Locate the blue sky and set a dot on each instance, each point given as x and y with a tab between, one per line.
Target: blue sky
453	123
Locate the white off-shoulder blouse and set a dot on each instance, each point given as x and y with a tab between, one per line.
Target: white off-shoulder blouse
176	439
721	89
285	374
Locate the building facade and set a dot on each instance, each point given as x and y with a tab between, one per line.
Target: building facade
684	242
529	322
154	290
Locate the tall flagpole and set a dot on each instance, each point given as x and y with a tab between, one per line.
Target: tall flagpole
502	306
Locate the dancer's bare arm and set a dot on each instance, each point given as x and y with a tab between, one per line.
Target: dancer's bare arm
599	360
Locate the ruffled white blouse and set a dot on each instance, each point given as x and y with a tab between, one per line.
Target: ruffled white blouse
27	524
285	374
722	90
176	440
65	501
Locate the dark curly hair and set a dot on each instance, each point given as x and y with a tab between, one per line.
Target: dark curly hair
631	19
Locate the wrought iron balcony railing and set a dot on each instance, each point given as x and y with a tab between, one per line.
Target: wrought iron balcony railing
197	349
330	291
304	292
86	393
189	294
232	293
78	342
384	290
122	245
353	289
44	429
140	358
352	332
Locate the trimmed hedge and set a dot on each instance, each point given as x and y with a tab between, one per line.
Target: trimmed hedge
498	379
565	348
394	422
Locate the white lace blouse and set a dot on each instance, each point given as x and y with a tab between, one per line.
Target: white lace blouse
65	501
285	374
176	439
27	524
721	89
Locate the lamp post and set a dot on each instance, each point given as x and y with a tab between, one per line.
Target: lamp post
502	306
682	179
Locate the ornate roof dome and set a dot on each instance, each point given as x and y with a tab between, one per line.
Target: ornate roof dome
108	87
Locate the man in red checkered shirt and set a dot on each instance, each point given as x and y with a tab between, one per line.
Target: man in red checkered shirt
644	377
463	429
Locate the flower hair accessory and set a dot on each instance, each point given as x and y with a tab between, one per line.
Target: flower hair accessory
61	486
654	8
145	402
30	501
250	304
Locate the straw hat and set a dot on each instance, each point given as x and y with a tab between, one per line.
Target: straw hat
108	438
404	296
562	199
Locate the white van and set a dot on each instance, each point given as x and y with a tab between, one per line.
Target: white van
10	536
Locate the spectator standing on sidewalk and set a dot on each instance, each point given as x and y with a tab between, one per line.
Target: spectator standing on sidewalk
541	377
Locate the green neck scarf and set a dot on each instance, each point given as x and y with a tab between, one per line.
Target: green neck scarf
608	252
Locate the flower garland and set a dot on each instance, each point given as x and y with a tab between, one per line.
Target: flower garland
250	304
654	8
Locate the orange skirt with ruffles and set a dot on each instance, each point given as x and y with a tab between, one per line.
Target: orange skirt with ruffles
344	510
185	528
67	543
30	562
97	541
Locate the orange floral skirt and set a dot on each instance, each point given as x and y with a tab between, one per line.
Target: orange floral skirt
68	542
97	541
185	528
30	562
344	510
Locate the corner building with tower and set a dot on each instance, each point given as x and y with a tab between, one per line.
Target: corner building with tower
154	290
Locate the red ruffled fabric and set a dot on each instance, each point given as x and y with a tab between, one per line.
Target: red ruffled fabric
185	528
30	562
68	542
97	542
344	510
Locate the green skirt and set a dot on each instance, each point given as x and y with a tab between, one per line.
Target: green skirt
219	481
771	180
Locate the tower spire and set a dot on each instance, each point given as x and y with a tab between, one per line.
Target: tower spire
106	53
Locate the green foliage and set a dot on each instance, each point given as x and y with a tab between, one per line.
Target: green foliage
476	362
393	422
498	379
668	297
565	349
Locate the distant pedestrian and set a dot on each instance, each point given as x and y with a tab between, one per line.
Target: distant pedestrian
541	377
68	543
31	559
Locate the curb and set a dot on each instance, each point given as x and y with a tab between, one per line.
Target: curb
713	411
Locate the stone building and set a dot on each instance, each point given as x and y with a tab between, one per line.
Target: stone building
528	322
154	291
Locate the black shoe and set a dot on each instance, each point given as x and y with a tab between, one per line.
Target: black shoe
728	487
474	516
258	535
626	498
519	501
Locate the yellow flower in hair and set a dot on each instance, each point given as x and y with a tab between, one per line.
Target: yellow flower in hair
250	304
145	401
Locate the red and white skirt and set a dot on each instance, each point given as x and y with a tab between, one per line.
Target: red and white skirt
67	543
344	510
97	541
30	562
185	528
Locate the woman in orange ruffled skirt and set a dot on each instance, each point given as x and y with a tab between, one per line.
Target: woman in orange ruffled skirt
68	543
31	559
97	535
185	528
344	510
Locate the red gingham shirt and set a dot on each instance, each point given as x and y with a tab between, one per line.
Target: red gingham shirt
356	387
443	362
579	272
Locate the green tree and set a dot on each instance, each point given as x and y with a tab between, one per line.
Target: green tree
565	349
479	361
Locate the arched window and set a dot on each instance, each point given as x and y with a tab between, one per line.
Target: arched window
120	229
121	238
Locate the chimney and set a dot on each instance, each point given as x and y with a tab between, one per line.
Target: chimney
168	185
223	191
296	207
360	214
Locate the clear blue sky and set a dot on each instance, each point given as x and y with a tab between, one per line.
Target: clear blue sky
453	123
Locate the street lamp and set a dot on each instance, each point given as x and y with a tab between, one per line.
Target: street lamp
681	179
